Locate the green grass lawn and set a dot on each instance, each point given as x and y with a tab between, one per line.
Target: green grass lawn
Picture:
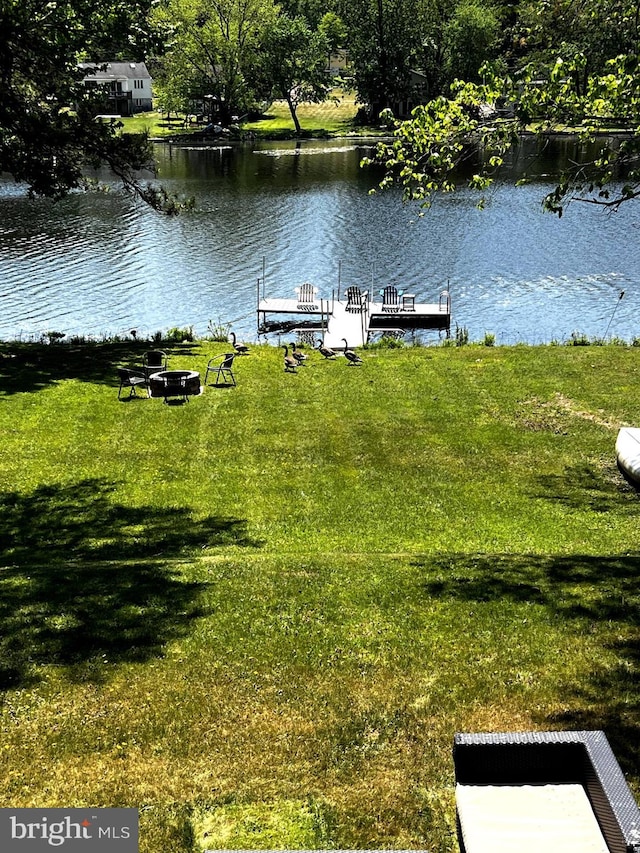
334	117
260	617
153	123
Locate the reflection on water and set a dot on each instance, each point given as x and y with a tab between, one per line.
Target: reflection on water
102	264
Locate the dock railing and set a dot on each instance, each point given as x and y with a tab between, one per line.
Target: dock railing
364	316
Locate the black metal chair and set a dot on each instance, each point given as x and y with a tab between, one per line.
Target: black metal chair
222	366
131	379
153	361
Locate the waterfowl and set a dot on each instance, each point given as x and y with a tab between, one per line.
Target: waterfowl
325	351
350	355
290	363
241	349
299	356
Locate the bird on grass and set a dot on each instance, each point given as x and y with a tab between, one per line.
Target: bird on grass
350	355
290	363
241	349
325	351
300	357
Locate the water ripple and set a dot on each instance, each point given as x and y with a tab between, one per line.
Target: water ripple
100	264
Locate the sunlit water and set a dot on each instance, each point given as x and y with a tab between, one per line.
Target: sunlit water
102	264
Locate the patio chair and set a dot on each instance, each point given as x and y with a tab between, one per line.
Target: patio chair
153	361
356	299
306	297
131	379
222	366
391	298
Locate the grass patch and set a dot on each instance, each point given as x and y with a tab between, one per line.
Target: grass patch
152	123
290	824
261	616
334	117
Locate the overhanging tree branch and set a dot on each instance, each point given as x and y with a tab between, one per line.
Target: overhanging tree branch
49	136
427	149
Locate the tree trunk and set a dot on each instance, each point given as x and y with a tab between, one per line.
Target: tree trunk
294	116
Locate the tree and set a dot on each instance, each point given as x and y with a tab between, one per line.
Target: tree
212	42
385	41
429	148
292	64
389	39
333	29
470	36
172	85
48	131
598	30
311	10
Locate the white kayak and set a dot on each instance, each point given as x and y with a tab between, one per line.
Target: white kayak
628	452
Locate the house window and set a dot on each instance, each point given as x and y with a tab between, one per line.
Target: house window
138	84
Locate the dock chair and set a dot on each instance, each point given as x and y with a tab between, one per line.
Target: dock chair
222	366
356	299
131	379
306	297
391	298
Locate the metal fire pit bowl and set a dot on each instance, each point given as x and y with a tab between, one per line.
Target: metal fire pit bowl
174	383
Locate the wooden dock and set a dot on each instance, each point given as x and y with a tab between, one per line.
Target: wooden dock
333	320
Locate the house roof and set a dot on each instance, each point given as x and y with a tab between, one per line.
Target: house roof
116	70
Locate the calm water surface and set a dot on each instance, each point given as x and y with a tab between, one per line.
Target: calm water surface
102	264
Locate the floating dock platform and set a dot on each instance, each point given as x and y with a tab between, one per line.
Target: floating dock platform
336	319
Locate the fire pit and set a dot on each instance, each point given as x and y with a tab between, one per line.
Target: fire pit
174	383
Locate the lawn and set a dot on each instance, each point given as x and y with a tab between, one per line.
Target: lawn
260	617
334	117
153	123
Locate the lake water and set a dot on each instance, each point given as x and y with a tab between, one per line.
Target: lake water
102	264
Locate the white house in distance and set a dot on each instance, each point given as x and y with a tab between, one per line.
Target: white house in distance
127	86
338	62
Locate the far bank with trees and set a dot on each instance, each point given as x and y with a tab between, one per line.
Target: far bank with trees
526	64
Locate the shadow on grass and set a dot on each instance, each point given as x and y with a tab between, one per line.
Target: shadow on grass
85	581
34	366
583	487
593	590
611	702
